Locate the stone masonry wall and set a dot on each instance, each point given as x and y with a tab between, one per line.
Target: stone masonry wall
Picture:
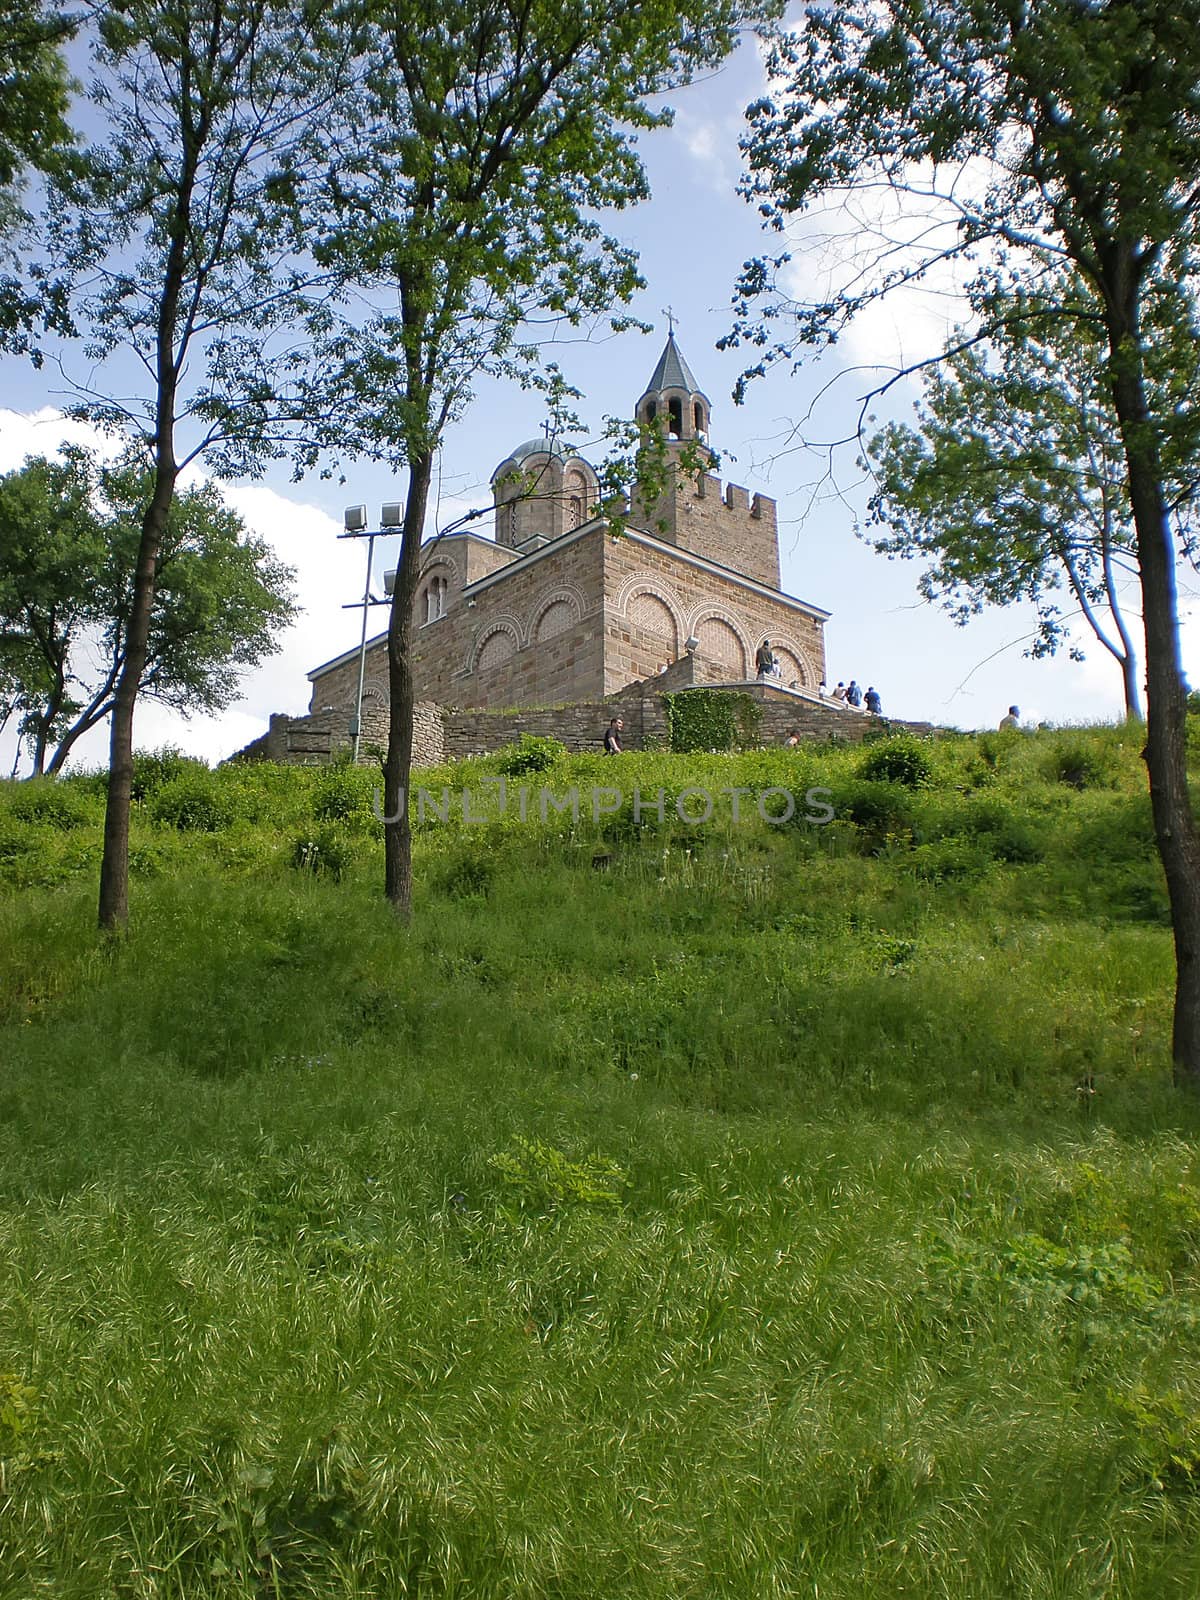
533	637
722	522
448	735
580	727
315	740
656	602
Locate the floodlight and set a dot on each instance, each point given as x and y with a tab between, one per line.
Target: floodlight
392	515
355	519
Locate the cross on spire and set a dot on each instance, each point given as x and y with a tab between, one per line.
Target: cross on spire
669	313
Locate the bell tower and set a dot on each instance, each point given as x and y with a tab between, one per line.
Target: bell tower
674	401
692	510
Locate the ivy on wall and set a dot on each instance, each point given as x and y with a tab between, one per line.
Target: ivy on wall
711	719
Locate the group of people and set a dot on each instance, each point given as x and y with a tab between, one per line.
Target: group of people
849	694
846	694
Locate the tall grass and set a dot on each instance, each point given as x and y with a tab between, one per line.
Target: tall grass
671	1212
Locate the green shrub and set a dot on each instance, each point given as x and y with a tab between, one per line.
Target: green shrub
944	860
533	753
466	875
194	803
1166	1438
997	826
325	853
544	1179
1081	764
55	803
1121	832
15	1400
877	810
899	760
342	792
152	769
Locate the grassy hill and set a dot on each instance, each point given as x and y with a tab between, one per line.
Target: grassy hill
675	1211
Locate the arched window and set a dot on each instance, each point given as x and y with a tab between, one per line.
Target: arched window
575	485
435	599
698	412
675	410
651	410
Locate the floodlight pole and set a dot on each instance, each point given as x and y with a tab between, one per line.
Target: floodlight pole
356	528
356	731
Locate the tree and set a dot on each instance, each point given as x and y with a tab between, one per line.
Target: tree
1048	134
1012	485
33	124
33	128
182	233
491	132
69	535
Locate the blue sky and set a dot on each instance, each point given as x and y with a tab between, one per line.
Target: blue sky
692	236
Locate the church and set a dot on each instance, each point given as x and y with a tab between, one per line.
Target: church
559	608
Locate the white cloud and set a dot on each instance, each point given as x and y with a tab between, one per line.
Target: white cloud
43	433
712	144
853	241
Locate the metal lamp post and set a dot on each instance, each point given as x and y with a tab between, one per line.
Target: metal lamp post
355	524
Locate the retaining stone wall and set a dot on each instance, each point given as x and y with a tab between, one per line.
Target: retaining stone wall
443	735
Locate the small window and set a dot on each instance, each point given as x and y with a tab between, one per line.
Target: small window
435	600
675	409
698	412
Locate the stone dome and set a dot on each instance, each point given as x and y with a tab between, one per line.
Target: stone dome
531	447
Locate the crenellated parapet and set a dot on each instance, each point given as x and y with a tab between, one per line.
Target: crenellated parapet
723	522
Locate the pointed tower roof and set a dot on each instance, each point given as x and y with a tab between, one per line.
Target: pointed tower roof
672	372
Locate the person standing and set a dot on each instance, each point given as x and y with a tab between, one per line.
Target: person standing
764	660
854	695
1011	720
612	737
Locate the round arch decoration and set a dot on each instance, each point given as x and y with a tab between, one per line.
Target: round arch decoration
439	558
641	583
494	628
562	594
719	614
651	616
793	663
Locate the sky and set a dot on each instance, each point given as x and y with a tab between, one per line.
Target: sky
693	236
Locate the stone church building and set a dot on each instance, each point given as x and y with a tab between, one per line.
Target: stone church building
557	608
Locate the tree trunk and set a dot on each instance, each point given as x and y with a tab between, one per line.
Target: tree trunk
1166	698
39	747
1133	698
46	721
114	865
397	834
1128	655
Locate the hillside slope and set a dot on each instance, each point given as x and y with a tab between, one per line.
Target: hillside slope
678	1209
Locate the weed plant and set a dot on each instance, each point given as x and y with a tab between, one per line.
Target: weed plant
671	1212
